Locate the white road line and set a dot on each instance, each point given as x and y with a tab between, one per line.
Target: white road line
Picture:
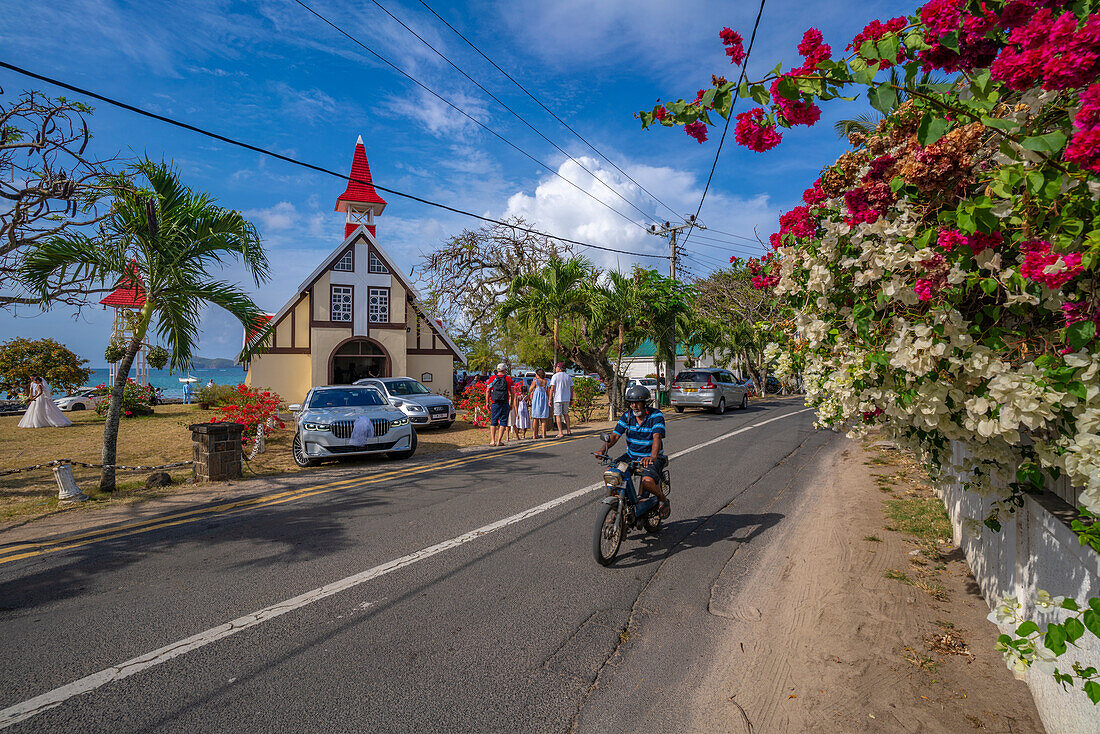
44	702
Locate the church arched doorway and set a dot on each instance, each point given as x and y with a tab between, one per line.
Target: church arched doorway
355	359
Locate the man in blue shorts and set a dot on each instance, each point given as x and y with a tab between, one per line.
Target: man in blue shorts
498	399
644	428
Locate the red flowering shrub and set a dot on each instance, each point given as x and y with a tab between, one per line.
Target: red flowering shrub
251	408
136	399
472	405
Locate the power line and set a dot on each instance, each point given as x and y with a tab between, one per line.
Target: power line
733	103
303	164
731	234
462	112
734	249
548	110
515	114
731	243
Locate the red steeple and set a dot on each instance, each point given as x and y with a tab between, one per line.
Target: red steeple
130	292
360	194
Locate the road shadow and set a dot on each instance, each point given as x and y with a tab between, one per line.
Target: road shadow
677	536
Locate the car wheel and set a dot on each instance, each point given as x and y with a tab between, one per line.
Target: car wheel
745	401
721	409
407	453
299	452
678	408
77	406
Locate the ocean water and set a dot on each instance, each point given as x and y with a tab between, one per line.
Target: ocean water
169	381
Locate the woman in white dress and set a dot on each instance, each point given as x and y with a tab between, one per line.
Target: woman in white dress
42	412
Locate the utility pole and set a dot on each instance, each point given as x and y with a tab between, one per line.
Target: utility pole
671	231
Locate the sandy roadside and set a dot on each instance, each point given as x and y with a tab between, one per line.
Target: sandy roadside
838	646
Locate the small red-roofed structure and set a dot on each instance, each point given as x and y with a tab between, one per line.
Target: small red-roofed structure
130	292
128	296
360	201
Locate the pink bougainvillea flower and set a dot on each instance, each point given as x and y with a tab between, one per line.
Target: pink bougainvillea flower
1043	265
923	289
814	195
1088	117
950	239
754	135
813	49
875	31
697	130
732	41
660	113
795	111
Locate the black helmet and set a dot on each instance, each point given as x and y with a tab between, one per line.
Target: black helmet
638	394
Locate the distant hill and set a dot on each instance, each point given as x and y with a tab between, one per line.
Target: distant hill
202	363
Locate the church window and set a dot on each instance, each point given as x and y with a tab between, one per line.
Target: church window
341	302
379	306
347	262
375	265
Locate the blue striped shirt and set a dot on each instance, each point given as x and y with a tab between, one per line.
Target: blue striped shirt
639	438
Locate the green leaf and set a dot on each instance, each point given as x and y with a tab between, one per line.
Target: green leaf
883	98
1070	603
1091	619
1027	628
999	123
1092	690
1077	389
951	41
743	90
867	50
1050	143
989	285
1055	639
1074	629
888	47
760	94
787	88
708	97
896	183
1081	333
931	129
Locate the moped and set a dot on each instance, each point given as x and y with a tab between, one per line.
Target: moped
623	509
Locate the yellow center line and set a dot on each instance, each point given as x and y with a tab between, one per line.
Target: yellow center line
27	550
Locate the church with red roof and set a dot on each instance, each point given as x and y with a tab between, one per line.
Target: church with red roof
356	315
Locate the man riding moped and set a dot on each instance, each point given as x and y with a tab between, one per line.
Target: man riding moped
644	428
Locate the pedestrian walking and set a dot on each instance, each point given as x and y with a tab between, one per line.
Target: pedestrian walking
561	394
498	399
540	403
188	392
520	410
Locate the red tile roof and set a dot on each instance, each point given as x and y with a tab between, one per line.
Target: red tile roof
360	193
130	292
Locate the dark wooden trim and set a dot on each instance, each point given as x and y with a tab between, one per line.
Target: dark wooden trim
394	271
417	312
331	324
392	326
432	351
288	350
388	366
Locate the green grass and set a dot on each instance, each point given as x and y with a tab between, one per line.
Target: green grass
896	575
872	538
922	517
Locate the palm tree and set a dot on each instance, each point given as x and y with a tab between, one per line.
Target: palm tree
617	304
168	237
542	299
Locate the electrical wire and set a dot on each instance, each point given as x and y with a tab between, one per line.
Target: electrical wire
733	103
303	164
515	114
462	112
549	111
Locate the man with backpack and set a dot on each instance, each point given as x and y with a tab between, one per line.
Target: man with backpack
498	399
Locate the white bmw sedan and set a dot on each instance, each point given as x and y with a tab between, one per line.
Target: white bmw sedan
349	420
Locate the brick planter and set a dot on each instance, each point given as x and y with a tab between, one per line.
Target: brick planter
216	450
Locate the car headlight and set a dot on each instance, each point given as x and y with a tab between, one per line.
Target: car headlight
612	478
311	426
415	408
400	422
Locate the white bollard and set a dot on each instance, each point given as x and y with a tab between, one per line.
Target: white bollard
67	491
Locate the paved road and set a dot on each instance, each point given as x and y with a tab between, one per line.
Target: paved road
430	628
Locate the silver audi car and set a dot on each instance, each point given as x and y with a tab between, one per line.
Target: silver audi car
421	405
326	425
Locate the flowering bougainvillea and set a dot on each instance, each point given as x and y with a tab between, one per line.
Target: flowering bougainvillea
136	399
945	272
252	407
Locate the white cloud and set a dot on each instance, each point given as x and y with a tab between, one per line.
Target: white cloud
436	116
308	104
558	208
283	215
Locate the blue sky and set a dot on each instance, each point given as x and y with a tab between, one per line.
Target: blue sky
271	74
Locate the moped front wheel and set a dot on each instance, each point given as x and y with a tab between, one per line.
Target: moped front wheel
608	535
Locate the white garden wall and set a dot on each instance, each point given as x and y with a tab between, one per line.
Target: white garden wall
1034	550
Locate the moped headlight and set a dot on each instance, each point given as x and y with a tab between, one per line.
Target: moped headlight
612	478
311	426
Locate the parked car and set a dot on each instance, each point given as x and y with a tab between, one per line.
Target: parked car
749	386
711	388
600	386
324	424
650	382
421	405
82	399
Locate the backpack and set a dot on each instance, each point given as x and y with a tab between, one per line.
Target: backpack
498	391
